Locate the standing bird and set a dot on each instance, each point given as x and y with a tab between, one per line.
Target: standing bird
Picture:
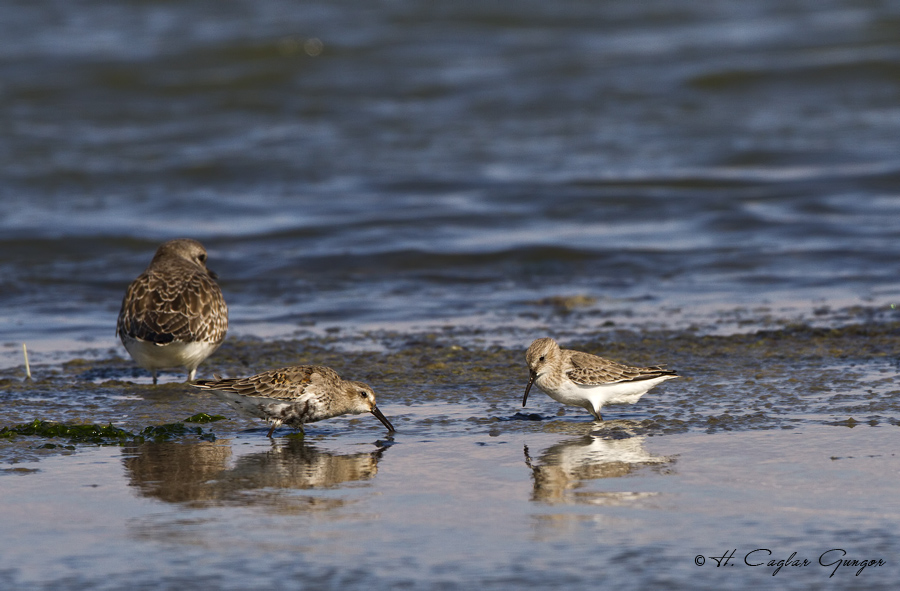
173	314
585	380
295	395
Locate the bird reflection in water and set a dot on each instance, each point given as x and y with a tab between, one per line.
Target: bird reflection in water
206	474
560	471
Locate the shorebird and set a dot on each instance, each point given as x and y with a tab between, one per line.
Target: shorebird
581	379
295	395
173	314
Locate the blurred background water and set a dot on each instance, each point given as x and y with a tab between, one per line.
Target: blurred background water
402	163
364	173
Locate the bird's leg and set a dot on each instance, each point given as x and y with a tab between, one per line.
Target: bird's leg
528	458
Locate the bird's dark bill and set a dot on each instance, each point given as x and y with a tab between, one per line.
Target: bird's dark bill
383	419
528	388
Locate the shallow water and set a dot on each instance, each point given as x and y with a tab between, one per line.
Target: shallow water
410	193
452	511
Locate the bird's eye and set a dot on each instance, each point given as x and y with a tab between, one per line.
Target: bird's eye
202	258
541	358
363	394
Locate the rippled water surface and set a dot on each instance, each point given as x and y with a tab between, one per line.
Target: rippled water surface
411	192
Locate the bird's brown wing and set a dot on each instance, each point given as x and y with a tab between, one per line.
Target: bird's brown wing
288	383
161	308
592	370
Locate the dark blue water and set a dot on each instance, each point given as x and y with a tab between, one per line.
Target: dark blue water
499	171
403	163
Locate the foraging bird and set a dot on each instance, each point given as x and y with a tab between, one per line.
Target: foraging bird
581	379
295	395
173	314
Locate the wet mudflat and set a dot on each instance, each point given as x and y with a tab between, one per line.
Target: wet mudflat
781	441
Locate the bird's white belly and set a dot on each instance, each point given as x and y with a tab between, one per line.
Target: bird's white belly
596	396
290	412
255	406
177	354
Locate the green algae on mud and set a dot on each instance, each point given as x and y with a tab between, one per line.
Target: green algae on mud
75	434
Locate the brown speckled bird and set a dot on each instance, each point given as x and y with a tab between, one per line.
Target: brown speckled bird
173	314
585	380
295	395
